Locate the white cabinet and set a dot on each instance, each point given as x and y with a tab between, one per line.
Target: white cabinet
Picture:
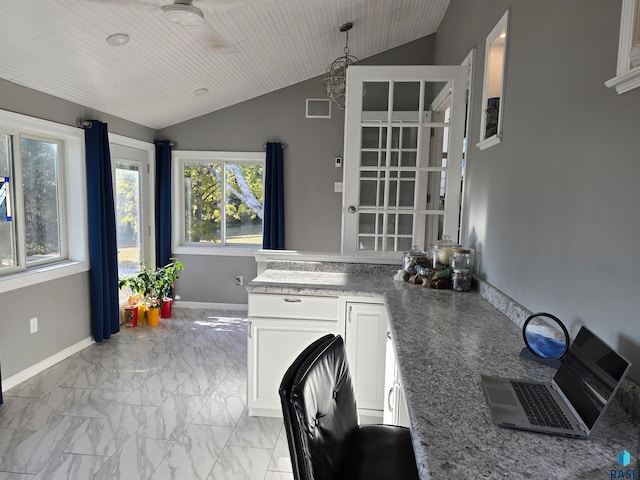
280	327
395	405
365	343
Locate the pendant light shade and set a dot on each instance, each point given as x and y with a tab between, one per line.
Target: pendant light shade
335	81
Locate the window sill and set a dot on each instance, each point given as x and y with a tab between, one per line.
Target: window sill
625	82
41	274
216	251
489	142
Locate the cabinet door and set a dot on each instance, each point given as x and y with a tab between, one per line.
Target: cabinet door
389	414
273	345
365	341
403	412
395	405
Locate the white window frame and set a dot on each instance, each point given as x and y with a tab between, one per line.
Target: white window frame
179	159
19	192
72	188
626	78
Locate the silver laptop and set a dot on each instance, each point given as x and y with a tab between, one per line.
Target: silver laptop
580	392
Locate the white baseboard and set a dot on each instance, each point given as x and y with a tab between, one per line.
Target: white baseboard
210	306
41	366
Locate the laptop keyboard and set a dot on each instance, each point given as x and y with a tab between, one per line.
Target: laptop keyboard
540	406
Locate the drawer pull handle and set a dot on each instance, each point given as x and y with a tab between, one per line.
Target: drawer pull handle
293	300
388	334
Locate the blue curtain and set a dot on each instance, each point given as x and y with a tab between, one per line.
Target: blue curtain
102	233
273	230
163	202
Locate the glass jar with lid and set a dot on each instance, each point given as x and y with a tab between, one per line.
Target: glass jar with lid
413	257
461	266
442	250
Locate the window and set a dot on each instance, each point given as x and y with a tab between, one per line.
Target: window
7	225
628	69
219	199
42	185
38	189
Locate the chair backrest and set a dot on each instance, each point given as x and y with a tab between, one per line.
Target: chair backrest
293	437
322	411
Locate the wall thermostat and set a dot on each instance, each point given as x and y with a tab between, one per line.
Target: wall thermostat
338	162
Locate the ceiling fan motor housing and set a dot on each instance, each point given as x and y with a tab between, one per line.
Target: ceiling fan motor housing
183	13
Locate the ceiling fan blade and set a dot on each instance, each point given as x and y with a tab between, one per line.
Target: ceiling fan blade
209	38
130	3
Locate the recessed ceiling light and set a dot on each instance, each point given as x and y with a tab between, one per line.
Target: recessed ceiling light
183	14
118	39
200	91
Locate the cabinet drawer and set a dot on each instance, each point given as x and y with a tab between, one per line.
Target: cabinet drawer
293	306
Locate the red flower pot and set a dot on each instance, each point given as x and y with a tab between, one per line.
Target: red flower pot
166	307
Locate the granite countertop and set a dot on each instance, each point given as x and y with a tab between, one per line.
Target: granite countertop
319	283
444	341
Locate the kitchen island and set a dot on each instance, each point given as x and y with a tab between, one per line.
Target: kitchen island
444	341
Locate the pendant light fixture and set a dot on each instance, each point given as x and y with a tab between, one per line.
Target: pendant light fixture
335	81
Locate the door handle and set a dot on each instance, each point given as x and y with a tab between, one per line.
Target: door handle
389	399
352	209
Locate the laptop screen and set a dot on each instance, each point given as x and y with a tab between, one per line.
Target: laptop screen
589	375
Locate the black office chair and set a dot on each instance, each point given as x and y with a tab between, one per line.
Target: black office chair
321	422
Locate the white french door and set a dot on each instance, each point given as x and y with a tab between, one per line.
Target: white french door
131	165
404	129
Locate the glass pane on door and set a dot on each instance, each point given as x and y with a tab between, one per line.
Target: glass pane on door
128	218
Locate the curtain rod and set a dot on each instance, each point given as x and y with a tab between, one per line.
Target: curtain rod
82	123
264	146
87	124
171	144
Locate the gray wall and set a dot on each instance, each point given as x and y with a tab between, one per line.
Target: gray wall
19	99
552	210
313	211
62	307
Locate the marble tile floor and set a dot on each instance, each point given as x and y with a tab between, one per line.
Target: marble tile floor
163	403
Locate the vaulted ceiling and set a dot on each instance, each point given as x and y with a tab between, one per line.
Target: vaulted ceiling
244	49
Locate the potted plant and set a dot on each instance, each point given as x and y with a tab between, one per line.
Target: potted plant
164	282
142	286
153	305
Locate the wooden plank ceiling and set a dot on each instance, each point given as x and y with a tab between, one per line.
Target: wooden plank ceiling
246	48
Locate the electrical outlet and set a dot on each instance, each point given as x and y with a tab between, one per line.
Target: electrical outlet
33	324
239	280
